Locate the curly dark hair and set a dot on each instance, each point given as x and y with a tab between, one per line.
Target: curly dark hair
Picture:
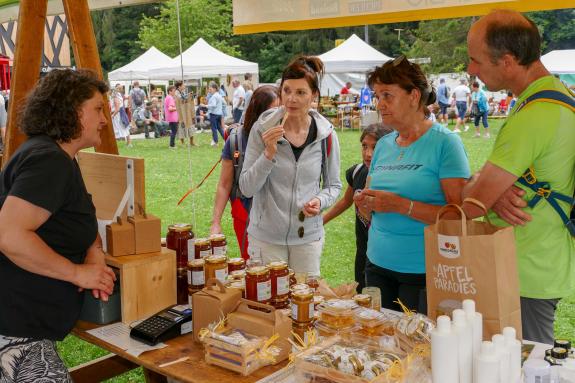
52	106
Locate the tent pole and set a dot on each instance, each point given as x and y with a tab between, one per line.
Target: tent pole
180	39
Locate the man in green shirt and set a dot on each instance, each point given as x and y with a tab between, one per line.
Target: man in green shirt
504	50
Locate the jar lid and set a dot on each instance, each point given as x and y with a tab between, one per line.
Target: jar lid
217	237
362	298
196	262
201	241
257	270
238	274
216	259
237	285
291	272
299	286
180	227
236	261
278	265
302	294
559	353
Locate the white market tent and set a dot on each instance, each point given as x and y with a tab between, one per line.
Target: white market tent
202	60
352	56
560	61
142	68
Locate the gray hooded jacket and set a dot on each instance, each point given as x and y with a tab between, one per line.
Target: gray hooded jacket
282	186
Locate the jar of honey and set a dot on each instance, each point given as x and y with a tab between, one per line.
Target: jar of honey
258	284
302	308
235	264
313	282
182	286
202	248
196	275
219	244
279	274
292	280
180	238
216	267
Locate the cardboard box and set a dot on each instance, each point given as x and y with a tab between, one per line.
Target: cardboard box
147	233
211	304
120	238
263	320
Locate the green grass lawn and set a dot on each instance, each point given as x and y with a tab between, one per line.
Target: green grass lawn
170	173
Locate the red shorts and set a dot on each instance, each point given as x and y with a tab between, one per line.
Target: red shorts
240	217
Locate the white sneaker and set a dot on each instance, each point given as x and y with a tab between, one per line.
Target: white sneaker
487	135
466	128
477	135
456	130
213	143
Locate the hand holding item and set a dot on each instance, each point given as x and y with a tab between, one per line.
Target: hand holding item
376	200
216	228
312	207
271	137
509	207
362	209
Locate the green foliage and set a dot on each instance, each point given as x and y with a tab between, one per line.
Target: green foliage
209	19
557	28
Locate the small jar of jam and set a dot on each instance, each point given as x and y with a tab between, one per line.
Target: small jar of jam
202	248
292	280
363	300
237	275
302	308
313	282
219	244
258	284
196	275
180	238
235	264
279	274
216	267
182	286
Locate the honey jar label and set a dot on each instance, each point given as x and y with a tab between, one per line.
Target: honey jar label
311	310
294	312
222	274
283	285
264	291
197	278
205	253
220	250
191	251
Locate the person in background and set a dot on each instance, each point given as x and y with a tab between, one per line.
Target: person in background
171	114
346	88
50	249
356	176
264	98
121	127
480	109
504	52
443	101
161	125
215	107
414	171
462	97
238	101
292	150
249	91
185	107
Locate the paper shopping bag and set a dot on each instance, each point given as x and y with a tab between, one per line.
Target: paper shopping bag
472	260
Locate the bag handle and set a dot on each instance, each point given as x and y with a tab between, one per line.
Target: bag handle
463	217
480	205
250	304
215	282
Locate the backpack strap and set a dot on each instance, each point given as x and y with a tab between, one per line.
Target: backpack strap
325	153
236	138
356	170
552	96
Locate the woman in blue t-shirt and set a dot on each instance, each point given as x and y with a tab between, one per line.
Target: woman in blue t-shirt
414	171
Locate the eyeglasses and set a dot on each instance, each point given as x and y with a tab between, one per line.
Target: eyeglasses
300	230
399	60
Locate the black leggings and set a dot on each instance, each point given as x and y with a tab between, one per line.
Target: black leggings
409	288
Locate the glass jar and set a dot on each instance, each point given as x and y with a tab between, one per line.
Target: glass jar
182	286
202	248
196	275
237	275
292	280
313	282
258	284
302	308
235	264
363	300
279	274
219	244
216	267
281	303
180	238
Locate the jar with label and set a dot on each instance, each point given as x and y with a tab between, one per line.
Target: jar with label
302	308
258	284
216	267
312	281
219	244
180	238
202	248
280	280
196	275
235	264
182	286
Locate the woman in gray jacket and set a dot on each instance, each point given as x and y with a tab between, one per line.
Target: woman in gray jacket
291	169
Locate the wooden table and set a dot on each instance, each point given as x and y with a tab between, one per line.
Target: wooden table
193	370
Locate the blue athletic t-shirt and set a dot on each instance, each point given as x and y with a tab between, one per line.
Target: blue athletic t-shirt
395	240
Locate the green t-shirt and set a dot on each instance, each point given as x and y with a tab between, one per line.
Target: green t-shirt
542	134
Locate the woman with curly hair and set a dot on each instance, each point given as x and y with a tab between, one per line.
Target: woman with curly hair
49	245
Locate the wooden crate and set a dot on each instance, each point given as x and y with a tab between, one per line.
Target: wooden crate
147	283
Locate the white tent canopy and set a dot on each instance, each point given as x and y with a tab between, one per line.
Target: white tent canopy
142	68
560	61
352	56
203	60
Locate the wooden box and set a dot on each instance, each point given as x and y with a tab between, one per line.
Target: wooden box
120	239
147	283
147	233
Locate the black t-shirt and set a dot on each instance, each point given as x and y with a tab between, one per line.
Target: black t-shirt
31	305
311	136
358	183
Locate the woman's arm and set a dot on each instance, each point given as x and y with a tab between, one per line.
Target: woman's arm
19	220
222	194
117	106
340	206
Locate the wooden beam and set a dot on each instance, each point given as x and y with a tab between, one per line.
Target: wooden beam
86	56
101	369
27	61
